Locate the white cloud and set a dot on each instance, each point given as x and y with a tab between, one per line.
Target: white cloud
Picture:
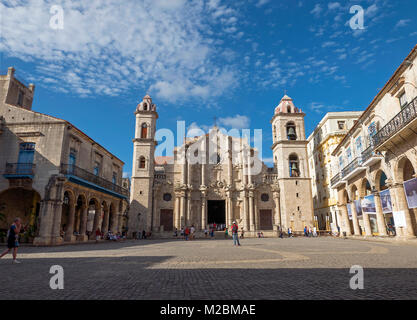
317	10
333	5
236	122
402	23
107	48
261	3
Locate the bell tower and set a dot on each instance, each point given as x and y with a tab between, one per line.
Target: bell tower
144	144
291	162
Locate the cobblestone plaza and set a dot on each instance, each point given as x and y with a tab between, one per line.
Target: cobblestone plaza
268	268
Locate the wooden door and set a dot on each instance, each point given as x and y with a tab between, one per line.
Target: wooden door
167	219
265	219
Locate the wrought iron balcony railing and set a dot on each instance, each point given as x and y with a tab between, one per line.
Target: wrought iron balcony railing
19	170
72	170
369	153
351	166
403	118
335	179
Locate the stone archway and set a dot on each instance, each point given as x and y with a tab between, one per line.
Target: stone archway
22	203
404	170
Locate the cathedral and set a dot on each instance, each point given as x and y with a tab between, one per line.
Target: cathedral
216	178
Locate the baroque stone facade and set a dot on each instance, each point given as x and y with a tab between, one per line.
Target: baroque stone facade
208	179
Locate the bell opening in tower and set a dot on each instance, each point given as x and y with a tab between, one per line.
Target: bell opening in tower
216	213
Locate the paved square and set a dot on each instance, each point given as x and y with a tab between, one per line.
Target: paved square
298	268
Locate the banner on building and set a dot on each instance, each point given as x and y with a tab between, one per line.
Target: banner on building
386	201
368	204
410	188
399	219
349	210
358	207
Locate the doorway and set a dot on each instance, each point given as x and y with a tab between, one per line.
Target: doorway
216	212
167	219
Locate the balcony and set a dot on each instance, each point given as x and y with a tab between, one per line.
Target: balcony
353	168
90	180
370	157
269	178
397	124
160	176
337	181
19	170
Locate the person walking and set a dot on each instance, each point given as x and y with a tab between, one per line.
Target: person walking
314	232
98	235
192	232
242	234
226	233
186	233
235	235
13	239
289	232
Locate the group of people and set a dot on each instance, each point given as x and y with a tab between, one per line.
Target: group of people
310	232
186	233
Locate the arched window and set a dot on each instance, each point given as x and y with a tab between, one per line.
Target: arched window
144	131
291	133
289	109
145	106
142	163
294	166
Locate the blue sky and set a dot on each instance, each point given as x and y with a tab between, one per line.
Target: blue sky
202	59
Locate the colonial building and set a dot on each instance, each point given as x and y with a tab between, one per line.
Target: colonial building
377	161
60	182
217	178
321	143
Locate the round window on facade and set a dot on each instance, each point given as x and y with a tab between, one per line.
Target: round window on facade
167	197
265	197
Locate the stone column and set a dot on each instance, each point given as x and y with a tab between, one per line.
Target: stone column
277	218
83	227
69	233
96	223
245	212
189	219
182	210
177	212
251	212
400	204
380	219
345	219
203	212
106	222
230	213
256	213
356	228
